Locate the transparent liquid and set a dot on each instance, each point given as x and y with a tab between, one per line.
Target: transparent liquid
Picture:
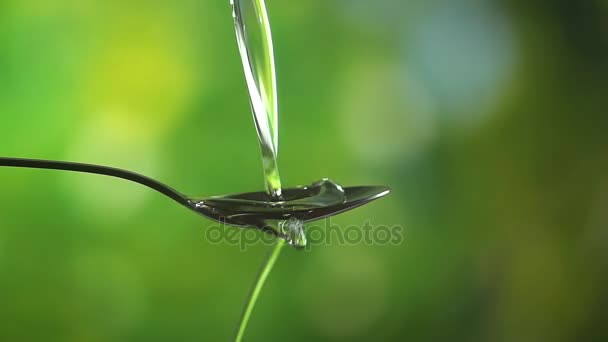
257	55
254	40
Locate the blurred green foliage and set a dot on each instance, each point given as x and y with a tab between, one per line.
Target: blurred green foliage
488	120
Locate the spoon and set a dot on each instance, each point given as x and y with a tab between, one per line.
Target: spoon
252	210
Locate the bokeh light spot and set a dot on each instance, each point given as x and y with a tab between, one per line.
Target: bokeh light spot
386	118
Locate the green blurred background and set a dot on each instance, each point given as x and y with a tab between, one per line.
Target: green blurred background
487	118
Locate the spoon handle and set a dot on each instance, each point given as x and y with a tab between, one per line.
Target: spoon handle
96	169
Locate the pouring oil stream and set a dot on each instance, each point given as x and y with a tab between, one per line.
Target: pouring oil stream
255	45
254	40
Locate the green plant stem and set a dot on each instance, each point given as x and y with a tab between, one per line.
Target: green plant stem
257	288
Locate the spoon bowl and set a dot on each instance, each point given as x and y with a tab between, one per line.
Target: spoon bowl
256	209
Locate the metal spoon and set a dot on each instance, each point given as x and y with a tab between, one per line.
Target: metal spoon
254	209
